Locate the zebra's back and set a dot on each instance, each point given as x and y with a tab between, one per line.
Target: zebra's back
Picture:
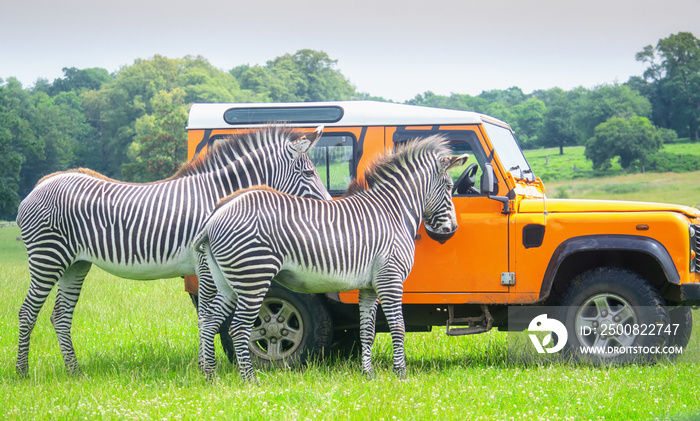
333	245
138	231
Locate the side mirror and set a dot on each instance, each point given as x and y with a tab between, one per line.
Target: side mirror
488	187
487	180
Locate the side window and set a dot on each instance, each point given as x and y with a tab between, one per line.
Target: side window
461	142
460	147
332	157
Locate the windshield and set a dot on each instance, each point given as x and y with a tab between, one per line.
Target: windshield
509	152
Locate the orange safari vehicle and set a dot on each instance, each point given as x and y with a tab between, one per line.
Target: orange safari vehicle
514	246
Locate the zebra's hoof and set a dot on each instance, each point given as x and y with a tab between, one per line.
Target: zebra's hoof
249	376
400	373
209	372
252	381
73	369
211	377
76	372
23	371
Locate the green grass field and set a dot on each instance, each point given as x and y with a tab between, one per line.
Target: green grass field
679	188
572	176
137	344
573	165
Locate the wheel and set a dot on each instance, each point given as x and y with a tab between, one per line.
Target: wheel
291	329
683	317
608	308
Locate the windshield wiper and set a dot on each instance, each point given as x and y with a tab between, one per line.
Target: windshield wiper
522	172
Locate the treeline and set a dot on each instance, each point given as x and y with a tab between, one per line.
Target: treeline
130	124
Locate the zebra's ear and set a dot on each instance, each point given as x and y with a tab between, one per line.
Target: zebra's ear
306	142
453	161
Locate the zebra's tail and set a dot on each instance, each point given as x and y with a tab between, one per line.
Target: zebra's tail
199	244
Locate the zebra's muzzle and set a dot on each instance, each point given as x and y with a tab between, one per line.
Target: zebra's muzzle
441	235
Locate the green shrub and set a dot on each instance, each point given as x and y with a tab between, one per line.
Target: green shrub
669	162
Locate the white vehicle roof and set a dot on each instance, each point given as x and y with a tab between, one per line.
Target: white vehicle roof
351	114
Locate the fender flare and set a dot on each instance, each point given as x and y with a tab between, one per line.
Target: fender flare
588	243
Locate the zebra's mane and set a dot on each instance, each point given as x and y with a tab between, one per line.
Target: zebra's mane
230	197
403	154
225	150
85	171
235	146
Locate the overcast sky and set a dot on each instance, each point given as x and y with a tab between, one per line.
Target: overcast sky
393	49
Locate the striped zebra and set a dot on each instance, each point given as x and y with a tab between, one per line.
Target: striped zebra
75	218
364	241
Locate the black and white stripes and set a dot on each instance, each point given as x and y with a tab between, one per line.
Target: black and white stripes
143	231
363	241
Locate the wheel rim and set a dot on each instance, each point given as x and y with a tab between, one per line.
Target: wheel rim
278	330
606	320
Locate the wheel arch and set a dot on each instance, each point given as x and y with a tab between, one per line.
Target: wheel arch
643	255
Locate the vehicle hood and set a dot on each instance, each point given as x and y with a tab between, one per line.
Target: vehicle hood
578	206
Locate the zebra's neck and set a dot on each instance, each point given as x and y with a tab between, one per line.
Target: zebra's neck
236	175
404	199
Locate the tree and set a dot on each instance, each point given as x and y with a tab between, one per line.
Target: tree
306	75
558	129
673	79
631	139
60	127
79	80
119	103
452	102
524	113
203	82
599	104
160	145
510	97
17	140
528	121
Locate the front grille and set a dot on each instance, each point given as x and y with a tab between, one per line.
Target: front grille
695	244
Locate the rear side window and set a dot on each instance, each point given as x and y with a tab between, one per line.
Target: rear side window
332	157
254	115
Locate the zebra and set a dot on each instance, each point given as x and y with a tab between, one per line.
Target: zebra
364	240
75	218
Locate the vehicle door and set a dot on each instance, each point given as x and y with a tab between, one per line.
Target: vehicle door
472	261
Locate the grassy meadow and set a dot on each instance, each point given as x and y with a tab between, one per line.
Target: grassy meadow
572	176
679	188
573	165
137	344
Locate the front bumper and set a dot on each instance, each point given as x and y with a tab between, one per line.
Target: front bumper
690	294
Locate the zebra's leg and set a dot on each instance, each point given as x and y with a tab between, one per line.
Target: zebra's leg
209	323
368	317
246	273
247	310
43	279
206	293
390	296
69	286
207	288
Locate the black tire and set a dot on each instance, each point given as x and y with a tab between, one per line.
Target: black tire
683	317
291	330
346	344
613	299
